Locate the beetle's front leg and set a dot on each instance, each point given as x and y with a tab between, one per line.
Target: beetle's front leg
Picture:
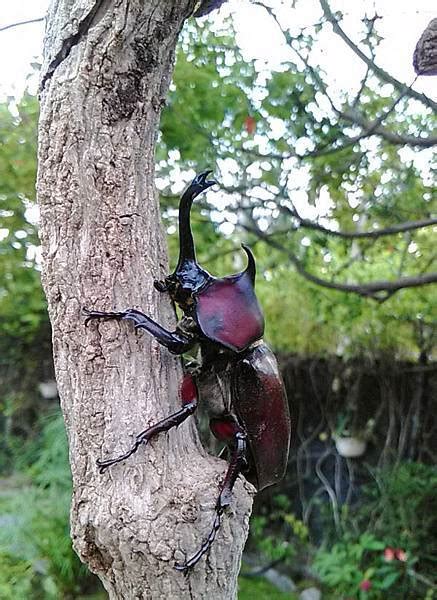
175	341
237	464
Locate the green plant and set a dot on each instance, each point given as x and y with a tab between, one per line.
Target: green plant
389	541
259	589
18	579
36	529
346	426
400	507
358	568
278	534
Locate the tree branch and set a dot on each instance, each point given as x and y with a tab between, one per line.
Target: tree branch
401	87
354	235
376	129
376	290
18	23
353	116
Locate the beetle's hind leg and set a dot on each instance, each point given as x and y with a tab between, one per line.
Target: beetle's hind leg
237	464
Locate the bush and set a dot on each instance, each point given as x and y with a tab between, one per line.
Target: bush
389	543
277	533
401	509
359	569
35	534
18	579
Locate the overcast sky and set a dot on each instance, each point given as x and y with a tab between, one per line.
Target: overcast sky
402	25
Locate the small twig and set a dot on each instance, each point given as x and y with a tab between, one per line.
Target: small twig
370	63
422	578
328	488
18	23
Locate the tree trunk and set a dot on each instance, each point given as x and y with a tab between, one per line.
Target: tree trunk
105	75
425	54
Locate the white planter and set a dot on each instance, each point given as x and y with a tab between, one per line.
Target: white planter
350	447
48	389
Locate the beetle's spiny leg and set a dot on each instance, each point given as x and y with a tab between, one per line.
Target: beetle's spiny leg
189	564
104	464
99	314
145	436
177	342
236	465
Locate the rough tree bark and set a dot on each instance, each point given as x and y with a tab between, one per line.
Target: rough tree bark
106	71
425	54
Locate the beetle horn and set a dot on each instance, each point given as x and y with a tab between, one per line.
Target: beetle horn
250	270
186	242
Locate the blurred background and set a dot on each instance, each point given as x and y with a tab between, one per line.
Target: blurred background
324	147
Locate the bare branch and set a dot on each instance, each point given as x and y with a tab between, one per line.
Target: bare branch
401	87
376	290
392	137
368	127
354	235
361	88
353	116
18	23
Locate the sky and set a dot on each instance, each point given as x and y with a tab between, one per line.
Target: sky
401	26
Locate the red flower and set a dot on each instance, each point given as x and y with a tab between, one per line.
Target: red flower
401	554
395	553
389	554
365	585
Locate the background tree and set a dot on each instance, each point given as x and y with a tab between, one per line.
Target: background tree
25	333
104	79
337	186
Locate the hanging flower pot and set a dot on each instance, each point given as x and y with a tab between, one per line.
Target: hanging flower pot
350	447
48	389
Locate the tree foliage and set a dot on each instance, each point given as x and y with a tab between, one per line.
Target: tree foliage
22	308
335	189
310	177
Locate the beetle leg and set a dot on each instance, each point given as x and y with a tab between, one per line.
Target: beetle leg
145	436
175	341
237	464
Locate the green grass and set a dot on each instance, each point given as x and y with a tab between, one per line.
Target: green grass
259	589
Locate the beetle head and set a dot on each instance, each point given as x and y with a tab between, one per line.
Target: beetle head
189	279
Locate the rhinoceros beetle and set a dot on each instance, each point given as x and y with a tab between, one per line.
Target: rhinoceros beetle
237	376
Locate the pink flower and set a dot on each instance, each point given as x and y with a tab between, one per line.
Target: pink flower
365	585
401	554
389	554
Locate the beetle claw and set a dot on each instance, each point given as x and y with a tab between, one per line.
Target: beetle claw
161	286
184	568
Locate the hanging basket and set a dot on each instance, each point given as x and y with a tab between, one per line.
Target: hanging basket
350	447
